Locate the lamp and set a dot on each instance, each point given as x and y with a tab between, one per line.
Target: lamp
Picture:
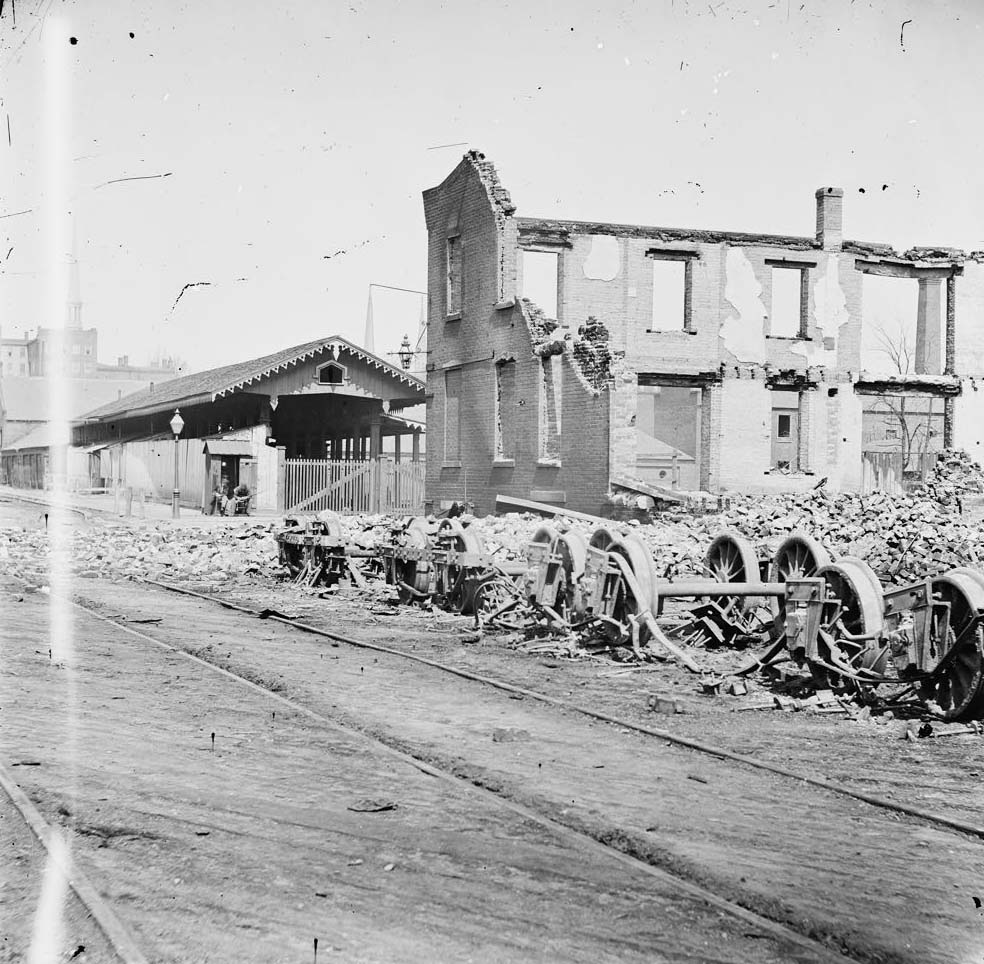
405	353
177	424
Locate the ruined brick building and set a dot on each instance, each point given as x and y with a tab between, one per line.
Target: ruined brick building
568	359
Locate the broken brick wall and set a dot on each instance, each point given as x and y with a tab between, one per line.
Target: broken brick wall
752	313
492	328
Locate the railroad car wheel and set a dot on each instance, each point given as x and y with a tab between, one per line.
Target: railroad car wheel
623	604
573	550
332	526
547	534
495	592
412	576
293	558
957	686
799	556
854	608
731	558
456	590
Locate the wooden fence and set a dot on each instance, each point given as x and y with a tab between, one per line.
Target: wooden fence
312	485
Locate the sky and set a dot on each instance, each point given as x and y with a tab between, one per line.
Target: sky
296	138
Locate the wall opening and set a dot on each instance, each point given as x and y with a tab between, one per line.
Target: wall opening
452	415
790	294
505	410
671	302
786	429
668	432
551	406
903	325
454	276
541	280
903	431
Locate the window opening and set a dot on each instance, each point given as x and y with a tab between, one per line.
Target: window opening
452	415
454	276
670	290
541	280
790	294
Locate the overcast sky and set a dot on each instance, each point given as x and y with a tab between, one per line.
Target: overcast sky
297	137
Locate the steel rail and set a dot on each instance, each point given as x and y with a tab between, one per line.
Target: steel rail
707	748
119	937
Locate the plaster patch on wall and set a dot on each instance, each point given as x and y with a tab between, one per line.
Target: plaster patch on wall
603	261
744	335
829	315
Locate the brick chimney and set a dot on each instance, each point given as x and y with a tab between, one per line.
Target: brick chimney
830	203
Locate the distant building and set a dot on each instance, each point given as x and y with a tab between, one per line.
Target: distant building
33	366
13	356
62	351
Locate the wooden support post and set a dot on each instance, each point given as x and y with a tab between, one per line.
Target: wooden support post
281	478
396	446
375	446
416	446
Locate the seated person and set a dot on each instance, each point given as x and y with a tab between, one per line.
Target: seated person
241	500
219	498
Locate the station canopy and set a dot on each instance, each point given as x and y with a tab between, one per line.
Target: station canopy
309	395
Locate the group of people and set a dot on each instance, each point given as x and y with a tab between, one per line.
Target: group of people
225	498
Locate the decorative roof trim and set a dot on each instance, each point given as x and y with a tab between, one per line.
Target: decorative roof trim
335	345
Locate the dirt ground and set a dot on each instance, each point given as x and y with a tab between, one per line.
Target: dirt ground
249	850
274	792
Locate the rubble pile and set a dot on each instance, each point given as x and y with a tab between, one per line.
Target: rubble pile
955	476
150	552
903	538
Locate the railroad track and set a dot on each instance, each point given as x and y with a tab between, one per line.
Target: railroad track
128	951
933	819
60	862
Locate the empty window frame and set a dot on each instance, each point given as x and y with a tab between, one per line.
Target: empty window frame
452	415
505	410
541	280
551	406
454	276
672	287
790	299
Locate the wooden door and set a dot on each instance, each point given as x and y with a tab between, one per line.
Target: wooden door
785	438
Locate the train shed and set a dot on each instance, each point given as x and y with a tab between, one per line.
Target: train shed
303	427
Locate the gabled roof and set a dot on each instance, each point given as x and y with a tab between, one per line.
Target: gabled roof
207	386
28	398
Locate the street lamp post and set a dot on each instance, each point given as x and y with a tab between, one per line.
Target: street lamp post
177	424
405	353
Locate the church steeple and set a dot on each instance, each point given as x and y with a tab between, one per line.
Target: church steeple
74	305
369	340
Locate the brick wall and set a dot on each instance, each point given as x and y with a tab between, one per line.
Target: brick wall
492	329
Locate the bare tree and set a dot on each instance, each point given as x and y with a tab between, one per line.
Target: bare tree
909	415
